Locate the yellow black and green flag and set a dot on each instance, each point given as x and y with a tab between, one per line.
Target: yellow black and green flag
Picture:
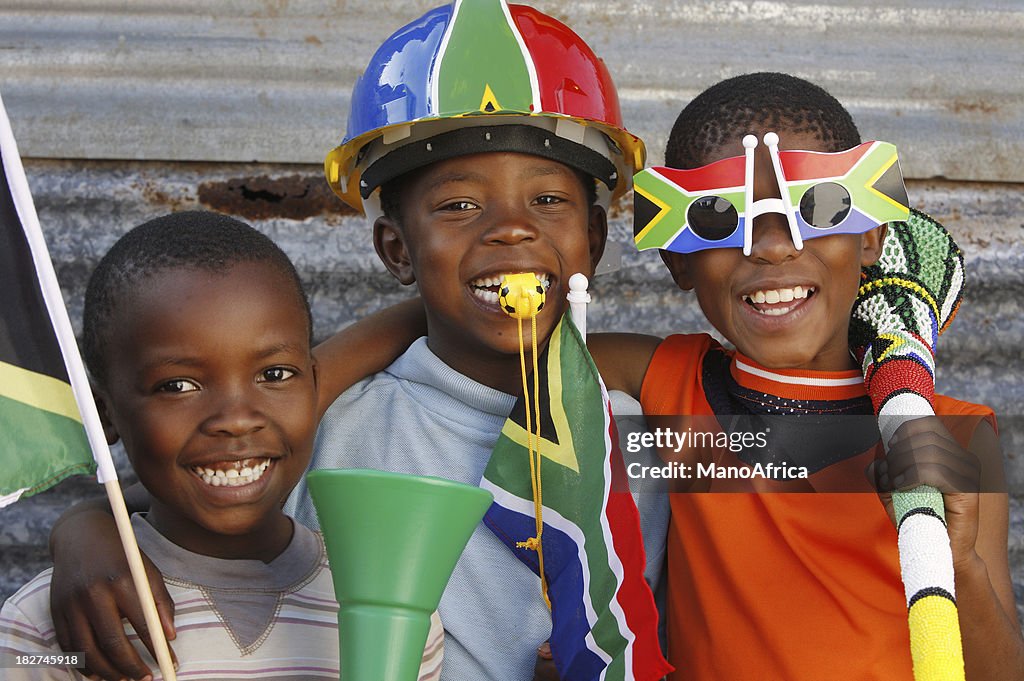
42	440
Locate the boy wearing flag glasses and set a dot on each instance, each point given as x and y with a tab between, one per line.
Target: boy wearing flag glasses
769	212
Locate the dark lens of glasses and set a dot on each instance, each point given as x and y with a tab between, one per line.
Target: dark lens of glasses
712	218
825	205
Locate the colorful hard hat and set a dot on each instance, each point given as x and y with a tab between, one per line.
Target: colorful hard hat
477	76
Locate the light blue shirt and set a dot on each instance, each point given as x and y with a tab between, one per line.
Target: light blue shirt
420	416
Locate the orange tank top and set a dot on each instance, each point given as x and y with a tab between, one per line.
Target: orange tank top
786	586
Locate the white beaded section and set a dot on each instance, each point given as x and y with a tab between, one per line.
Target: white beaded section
925	557
900	409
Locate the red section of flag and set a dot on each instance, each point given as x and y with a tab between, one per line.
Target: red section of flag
725	174
799	166
634	596
576	87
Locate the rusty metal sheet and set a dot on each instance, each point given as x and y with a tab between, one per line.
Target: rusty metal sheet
269	81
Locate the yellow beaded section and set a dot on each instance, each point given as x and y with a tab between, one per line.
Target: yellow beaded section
935	644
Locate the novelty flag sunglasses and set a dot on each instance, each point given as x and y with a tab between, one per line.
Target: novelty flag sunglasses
849	192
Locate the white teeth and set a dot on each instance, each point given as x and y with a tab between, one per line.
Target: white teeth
232	477
781	295
485	295
480	286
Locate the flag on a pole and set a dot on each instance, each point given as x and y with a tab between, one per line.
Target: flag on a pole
604	621
42	378
43	438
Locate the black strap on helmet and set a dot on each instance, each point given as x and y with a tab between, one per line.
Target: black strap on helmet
525	139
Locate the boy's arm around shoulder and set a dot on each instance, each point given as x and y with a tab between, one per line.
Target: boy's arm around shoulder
91	589
622	359
365	347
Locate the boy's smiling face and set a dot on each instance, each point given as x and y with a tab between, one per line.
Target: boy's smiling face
468	221
782	307
211	373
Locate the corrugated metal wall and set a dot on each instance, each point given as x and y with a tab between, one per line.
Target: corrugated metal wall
127	110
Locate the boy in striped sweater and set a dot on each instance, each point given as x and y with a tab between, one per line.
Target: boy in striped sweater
197	334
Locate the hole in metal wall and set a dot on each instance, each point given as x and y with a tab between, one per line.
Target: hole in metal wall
262	197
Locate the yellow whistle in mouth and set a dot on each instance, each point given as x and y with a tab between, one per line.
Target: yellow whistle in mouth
521	295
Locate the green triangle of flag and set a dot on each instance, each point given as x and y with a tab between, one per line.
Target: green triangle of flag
483	67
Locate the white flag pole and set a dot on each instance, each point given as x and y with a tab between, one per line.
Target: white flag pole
578	299
105	471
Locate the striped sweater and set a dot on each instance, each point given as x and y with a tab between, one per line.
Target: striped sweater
235	619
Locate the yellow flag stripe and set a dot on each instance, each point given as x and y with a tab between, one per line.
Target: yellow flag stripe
38	390
664	208
870	186
564	452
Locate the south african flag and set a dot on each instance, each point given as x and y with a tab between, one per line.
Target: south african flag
43	440
604	621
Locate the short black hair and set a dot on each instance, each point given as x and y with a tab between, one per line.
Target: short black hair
191	240
733	107
391	192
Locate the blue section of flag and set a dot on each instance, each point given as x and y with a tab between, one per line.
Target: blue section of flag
565	574
604	621
382	96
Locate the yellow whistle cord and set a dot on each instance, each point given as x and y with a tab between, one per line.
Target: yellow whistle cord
533	439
